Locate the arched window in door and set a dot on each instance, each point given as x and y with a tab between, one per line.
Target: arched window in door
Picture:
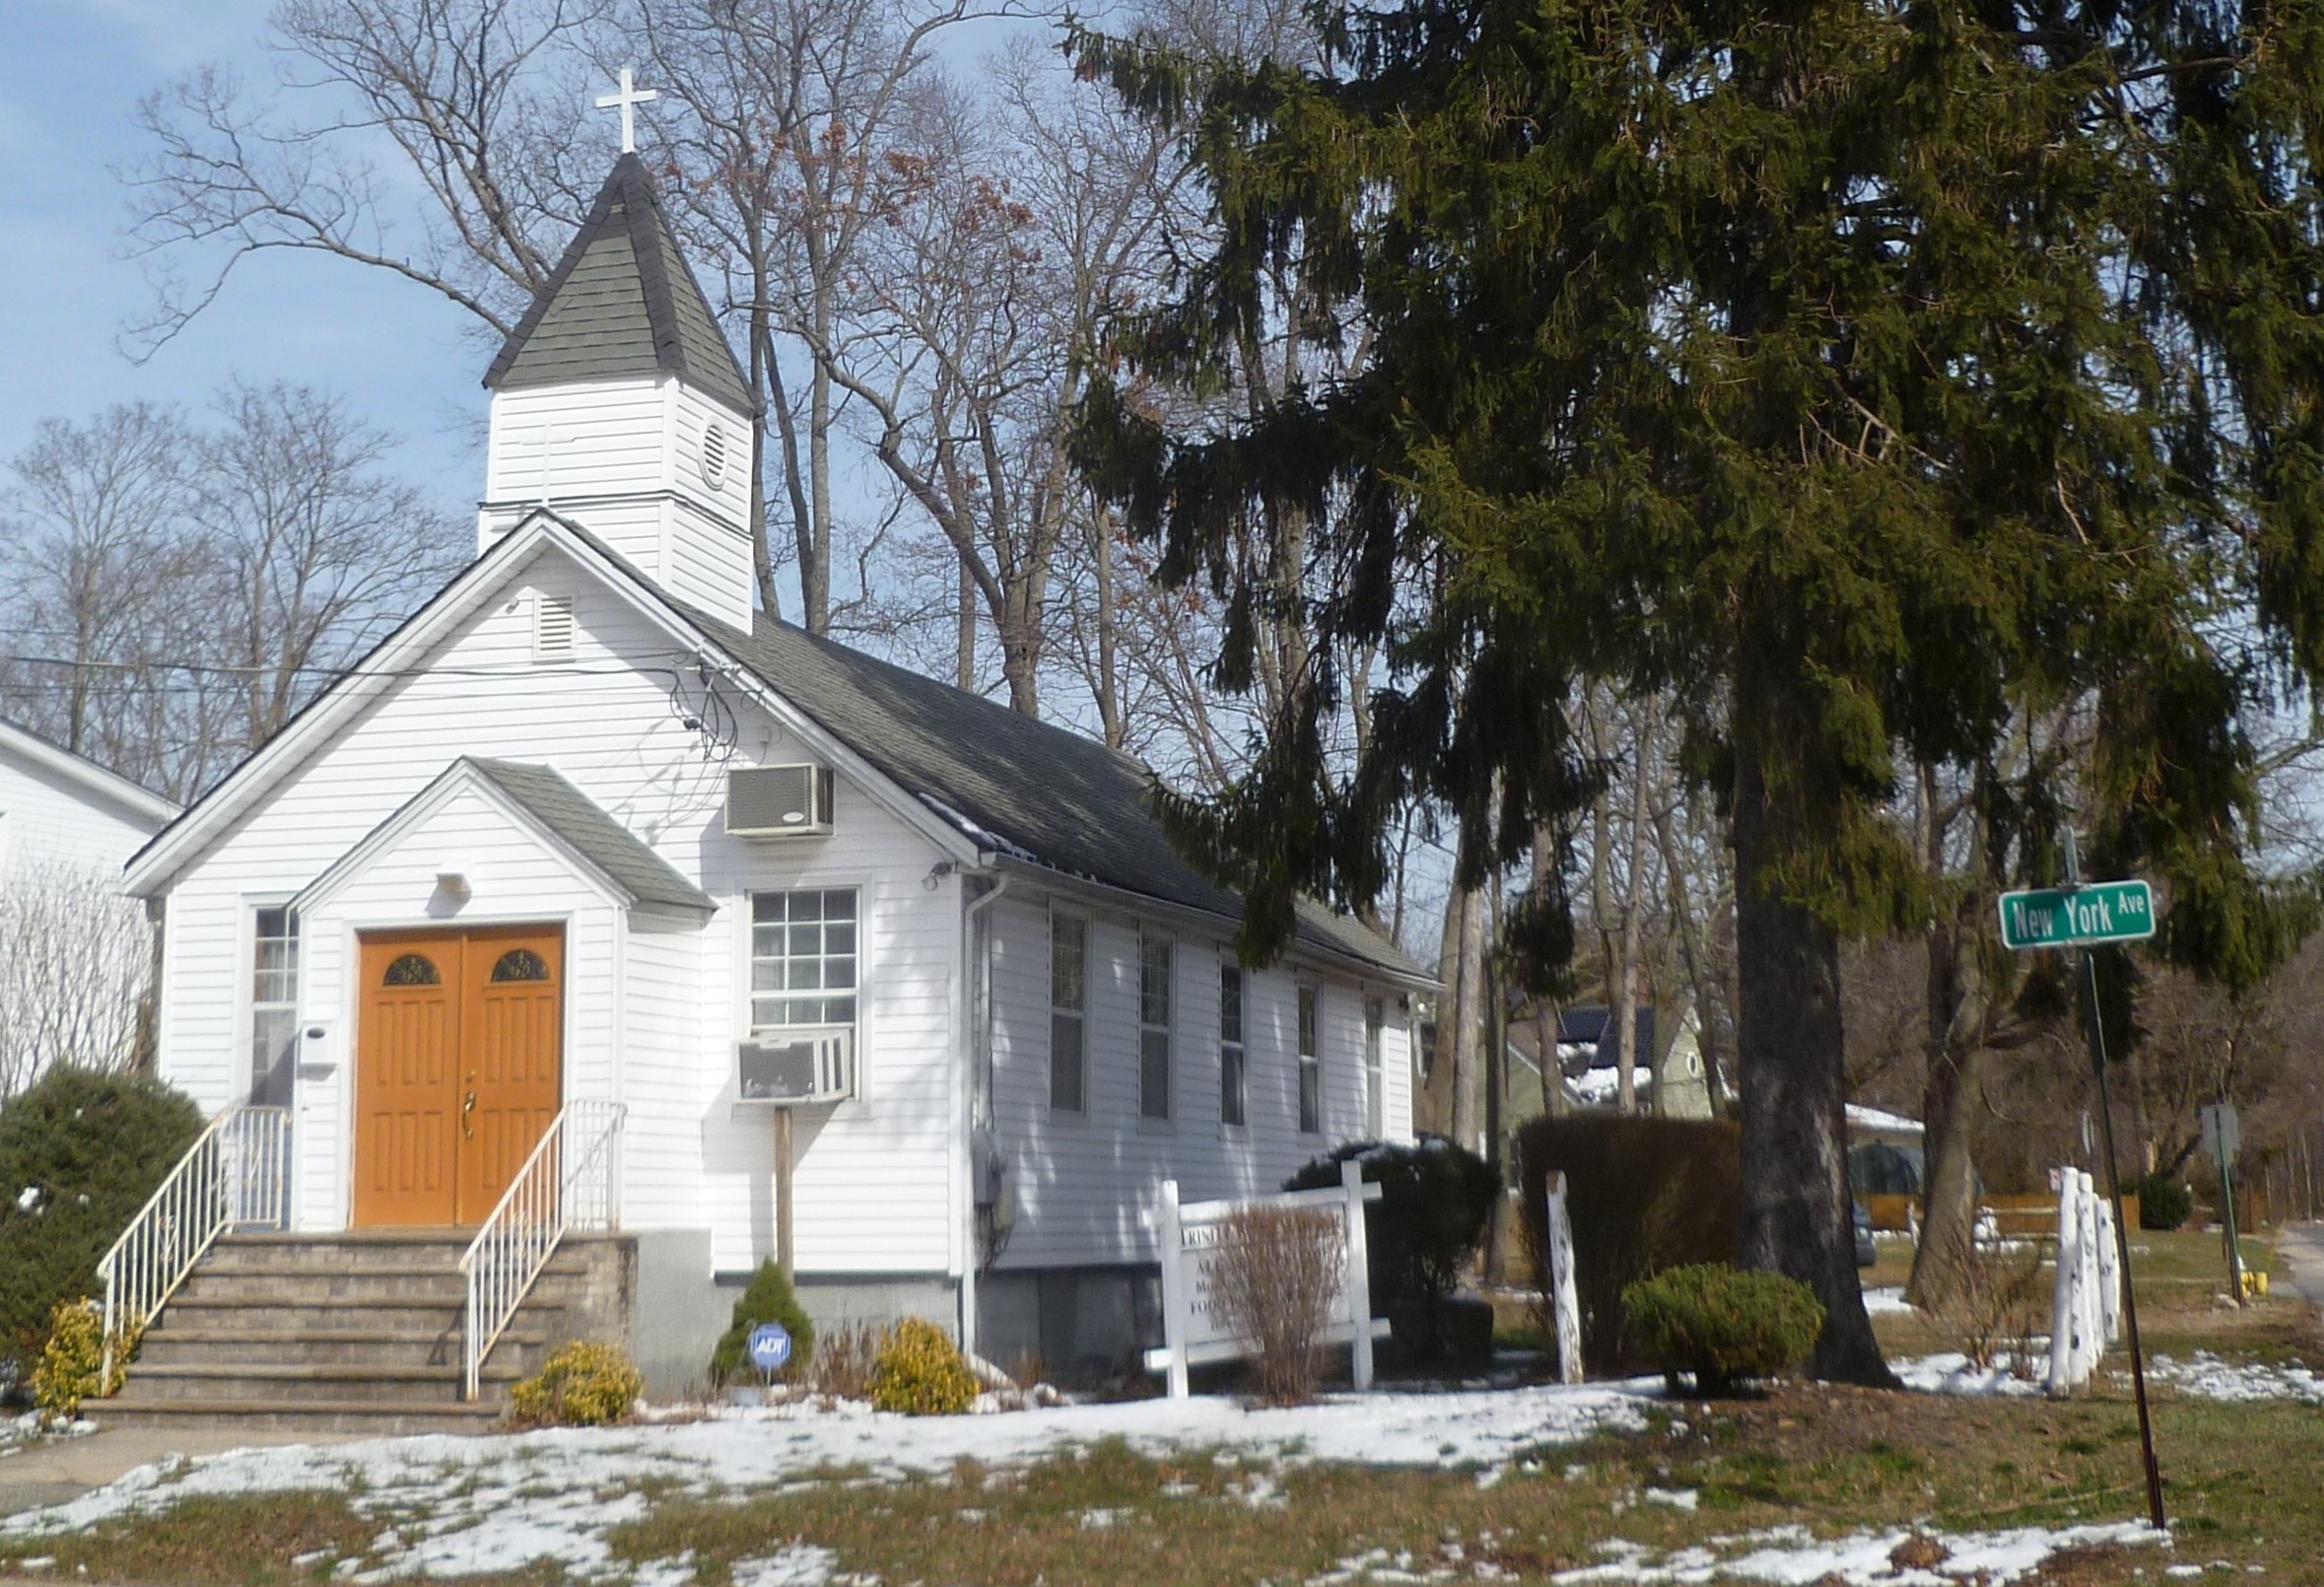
520	964
412	970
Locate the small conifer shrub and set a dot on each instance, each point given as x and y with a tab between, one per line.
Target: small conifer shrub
921	1372
1721	1326
584	1385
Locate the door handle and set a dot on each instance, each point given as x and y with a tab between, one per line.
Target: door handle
467	1110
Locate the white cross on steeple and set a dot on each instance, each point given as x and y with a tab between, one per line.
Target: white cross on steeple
628	99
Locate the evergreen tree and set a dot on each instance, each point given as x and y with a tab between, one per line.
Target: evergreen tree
1866	374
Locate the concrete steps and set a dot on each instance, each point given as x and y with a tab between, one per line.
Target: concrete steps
347	1334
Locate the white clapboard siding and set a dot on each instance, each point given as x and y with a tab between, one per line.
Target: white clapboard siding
691	414
1084	1182
604	438
49	818
875	1181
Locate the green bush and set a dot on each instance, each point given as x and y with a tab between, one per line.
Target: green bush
1721	1326
79	1153
2163	1203
1644	1194
1435	1199
583	1385
921	1372
769	1300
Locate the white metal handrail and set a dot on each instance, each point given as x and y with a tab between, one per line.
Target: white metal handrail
235	1175
567	1182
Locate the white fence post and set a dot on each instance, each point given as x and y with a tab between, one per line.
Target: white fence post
2109	1272
1174	1291
2061	1296
1565	1303
1357	1285
2093	1312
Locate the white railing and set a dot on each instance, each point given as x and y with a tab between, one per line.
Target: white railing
235	1175
567	1182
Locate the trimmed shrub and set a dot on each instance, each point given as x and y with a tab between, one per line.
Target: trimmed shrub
72	1362
79	1153
1271	1282
1435	1198
2163	1203
1721	1326
921	1372
769	1300
583	1385
1644	1194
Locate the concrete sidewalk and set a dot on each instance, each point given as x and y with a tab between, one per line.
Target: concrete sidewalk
2302	1246
55	1469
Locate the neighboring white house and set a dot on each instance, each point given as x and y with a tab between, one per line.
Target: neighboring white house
584	825
59	809
76	956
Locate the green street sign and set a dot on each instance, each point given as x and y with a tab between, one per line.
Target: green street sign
2059	917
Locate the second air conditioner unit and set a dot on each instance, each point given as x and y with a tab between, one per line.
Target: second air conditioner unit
779	801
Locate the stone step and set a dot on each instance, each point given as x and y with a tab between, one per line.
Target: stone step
178	1346
300	1254
376	1418
230	1311
344	1383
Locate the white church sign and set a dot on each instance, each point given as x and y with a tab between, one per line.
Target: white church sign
1192	1332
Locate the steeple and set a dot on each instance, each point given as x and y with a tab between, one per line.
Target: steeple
622	301
617	401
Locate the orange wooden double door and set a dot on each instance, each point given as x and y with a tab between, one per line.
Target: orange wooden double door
458	1069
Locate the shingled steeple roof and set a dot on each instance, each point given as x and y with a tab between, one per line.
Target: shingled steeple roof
622	301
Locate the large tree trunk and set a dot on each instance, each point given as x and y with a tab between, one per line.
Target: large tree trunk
1435	1110
1467	1121
1949	1196
1791	1059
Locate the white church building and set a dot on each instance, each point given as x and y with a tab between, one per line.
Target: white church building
588	846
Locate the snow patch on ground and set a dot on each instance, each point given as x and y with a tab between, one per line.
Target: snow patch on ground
465	1506
1888	1300
1950	1372
2209	1377
1790	1555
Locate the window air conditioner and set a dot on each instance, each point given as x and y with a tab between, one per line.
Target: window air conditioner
796	1066
779	801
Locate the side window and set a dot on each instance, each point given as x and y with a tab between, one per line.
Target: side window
802	958
1068	1014
274	1003
1232	1086
1311	1066
1156	960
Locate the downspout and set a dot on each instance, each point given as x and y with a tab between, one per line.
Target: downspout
977	989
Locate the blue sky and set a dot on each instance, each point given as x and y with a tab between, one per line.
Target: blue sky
73	73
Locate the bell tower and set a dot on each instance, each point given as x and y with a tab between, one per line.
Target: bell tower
617	403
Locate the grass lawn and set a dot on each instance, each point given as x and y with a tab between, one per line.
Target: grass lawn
2243	1483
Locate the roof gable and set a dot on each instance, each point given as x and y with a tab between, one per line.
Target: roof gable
538	798
621	302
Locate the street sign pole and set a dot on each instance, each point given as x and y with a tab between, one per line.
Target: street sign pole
2122	1250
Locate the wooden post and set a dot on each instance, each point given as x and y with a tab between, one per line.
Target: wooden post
1564	1299
1175	1331
1359	1273
782	1170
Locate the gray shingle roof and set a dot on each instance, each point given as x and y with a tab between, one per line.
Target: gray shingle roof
1012	781
585	828
622	301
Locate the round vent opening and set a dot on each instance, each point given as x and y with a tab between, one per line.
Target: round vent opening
714	457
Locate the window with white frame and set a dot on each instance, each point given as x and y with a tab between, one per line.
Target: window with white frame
1233	1084
274	1003
1156	960
1068	1014
802	957
1375	1072
1311	1066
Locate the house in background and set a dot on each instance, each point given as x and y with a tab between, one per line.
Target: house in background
1671	1082
590	862
76	955
62	809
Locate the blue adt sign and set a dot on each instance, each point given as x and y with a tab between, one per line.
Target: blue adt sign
769	1347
